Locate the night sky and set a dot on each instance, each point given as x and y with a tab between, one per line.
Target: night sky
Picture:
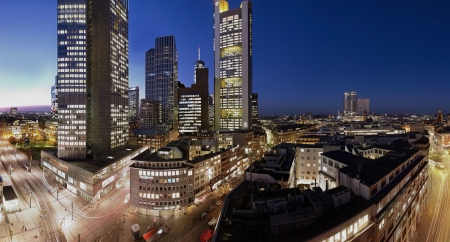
306	54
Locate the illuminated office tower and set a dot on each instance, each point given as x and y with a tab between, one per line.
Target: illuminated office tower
193	104
255	108
199	64
92	78
133	102
232	65
54	99
161	80
350	104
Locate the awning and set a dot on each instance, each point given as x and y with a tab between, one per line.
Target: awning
206	235
149	234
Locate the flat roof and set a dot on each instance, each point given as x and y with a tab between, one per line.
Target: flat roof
262	232
92	165
371	171
148	155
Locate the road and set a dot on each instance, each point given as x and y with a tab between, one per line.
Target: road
21	178
107	220
436	220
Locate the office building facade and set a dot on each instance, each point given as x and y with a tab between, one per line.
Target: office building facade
149	114
92	78
254	108
133	102
232	65
350	104
161	79
193	104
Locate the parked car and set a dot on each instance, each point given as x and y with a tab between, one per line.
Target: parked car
213	222
202	216
218	202
210	208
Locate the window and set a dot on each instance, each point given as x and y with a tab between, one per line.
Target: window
373	190
383	182
381	225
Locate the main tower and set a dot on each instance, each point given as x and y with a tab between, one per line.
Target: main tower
232	65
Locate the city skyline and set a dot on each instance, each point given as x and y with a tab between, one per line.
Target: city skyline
381	50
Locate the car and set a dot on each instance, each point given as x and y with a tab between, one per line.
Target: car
213	222
202	216
218	202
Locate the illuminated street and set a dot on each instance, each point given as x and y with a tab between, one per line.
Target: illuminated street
436	220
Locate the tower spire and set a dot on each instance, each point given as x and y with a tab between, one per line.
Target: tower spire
199	53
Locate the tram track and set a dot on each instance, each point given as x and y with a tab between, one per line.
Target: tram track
52	231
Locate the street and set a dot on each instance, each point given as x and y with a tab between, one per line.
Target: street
435	223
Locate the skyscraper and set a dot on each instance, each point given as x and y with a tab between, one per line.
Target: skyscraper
193	104
254	108
161	79
350	103
363	105
54	99
133	102
232	65
92	78
198	65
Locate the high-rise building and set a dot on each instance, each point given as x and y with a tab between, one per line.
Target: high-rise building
92	78
350	103
254	108
133	102
161	79
198	65
149	114
13	111
363	105
54	101
232	65
211	110
193	104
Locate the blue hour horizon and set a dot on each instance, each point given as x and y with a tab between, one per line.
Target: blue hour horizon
305	54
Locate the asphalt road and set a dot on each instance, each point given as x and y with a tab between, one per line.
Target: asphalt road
436	220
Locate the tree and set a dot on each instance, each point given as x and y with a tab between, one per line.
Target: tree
11	139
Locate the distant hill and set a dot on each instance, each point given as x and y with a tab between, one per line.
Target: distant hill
42	108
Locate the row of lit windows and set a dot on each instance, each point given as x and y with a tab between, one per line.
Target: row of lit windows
82	53
72	70
72	59
71	143
76	37
69	6
72	90
71	16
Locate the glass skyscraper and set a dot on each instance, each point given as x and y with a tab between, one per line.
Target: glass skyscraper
133	97
232	65
350	104
161	80
92	78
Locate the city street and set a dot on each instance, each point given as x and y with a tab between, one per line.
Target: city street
110	219
435	223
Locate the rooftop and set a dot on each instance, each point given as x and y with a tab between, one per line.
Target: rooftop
370	171
92	165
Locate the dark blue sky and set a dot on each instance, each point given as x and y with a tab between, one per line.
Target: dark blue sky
305	54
